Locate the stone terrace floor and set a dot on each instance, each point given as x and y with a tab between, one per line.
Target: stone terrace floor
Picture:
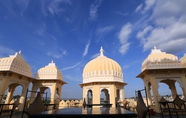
19	115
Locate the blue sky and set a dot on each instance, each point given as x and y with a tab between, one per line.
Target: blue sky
71	32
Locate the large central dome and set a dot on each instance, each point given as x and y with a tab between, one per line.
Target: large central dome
102	69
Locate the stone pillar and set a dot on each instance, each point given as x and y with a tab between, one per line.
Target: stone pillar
33	94
84	94
155	92
96	94
183	79
10	93
113	95
23	95
122	95
3	85
53	92
60	90
172	87
149	97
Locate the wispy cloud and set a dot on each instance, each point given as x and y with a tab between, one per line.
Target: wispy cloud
73	78
95	55
126	66
101	32
71	67
41	29
4	51
22	4
138	8
56	55
123	38
122	14
86	48
94	8
54	7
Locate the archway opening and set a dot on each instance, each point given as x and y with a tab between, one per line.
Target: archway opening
104	97
89	96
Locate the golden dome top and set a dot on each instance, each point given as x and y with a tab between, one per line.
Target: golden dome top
159	59
49	72
102	67
16	63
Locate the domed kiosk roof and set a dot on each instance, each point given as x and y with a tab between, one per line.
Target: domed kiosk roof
15	63
158	59
183	60
102	69
49	72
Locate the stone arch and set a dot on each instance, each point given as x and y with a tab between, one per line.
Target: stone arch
107	96
89	96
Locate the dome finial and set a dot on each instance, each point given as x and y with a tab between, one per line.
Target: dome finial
101	51
155	47
19	51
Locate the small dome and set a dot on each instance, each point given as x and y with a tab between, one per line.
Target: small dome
159	59
101	67
15	63
49	72
183	60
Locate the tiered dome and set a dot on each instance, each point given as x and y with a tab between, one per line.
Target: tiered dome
49	72
157	59
102	69
15	63
183	60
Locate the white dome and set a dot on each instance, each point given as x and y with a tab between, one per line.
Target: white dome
102	69
15	63
49	72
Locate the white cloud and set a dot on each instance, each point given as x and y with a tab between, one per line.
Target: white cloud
4	51
101	32
123	49
93	9
148	5
123	37
124	33
168	32
142	34
138	8
86	49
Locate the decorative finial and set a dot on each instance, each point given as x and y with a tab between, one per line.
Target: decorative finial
52	61
155	47
20	52
101	51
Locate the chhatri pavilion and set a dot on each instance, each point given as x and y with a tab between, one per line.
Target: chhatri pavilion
161	67
103	74
100	75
